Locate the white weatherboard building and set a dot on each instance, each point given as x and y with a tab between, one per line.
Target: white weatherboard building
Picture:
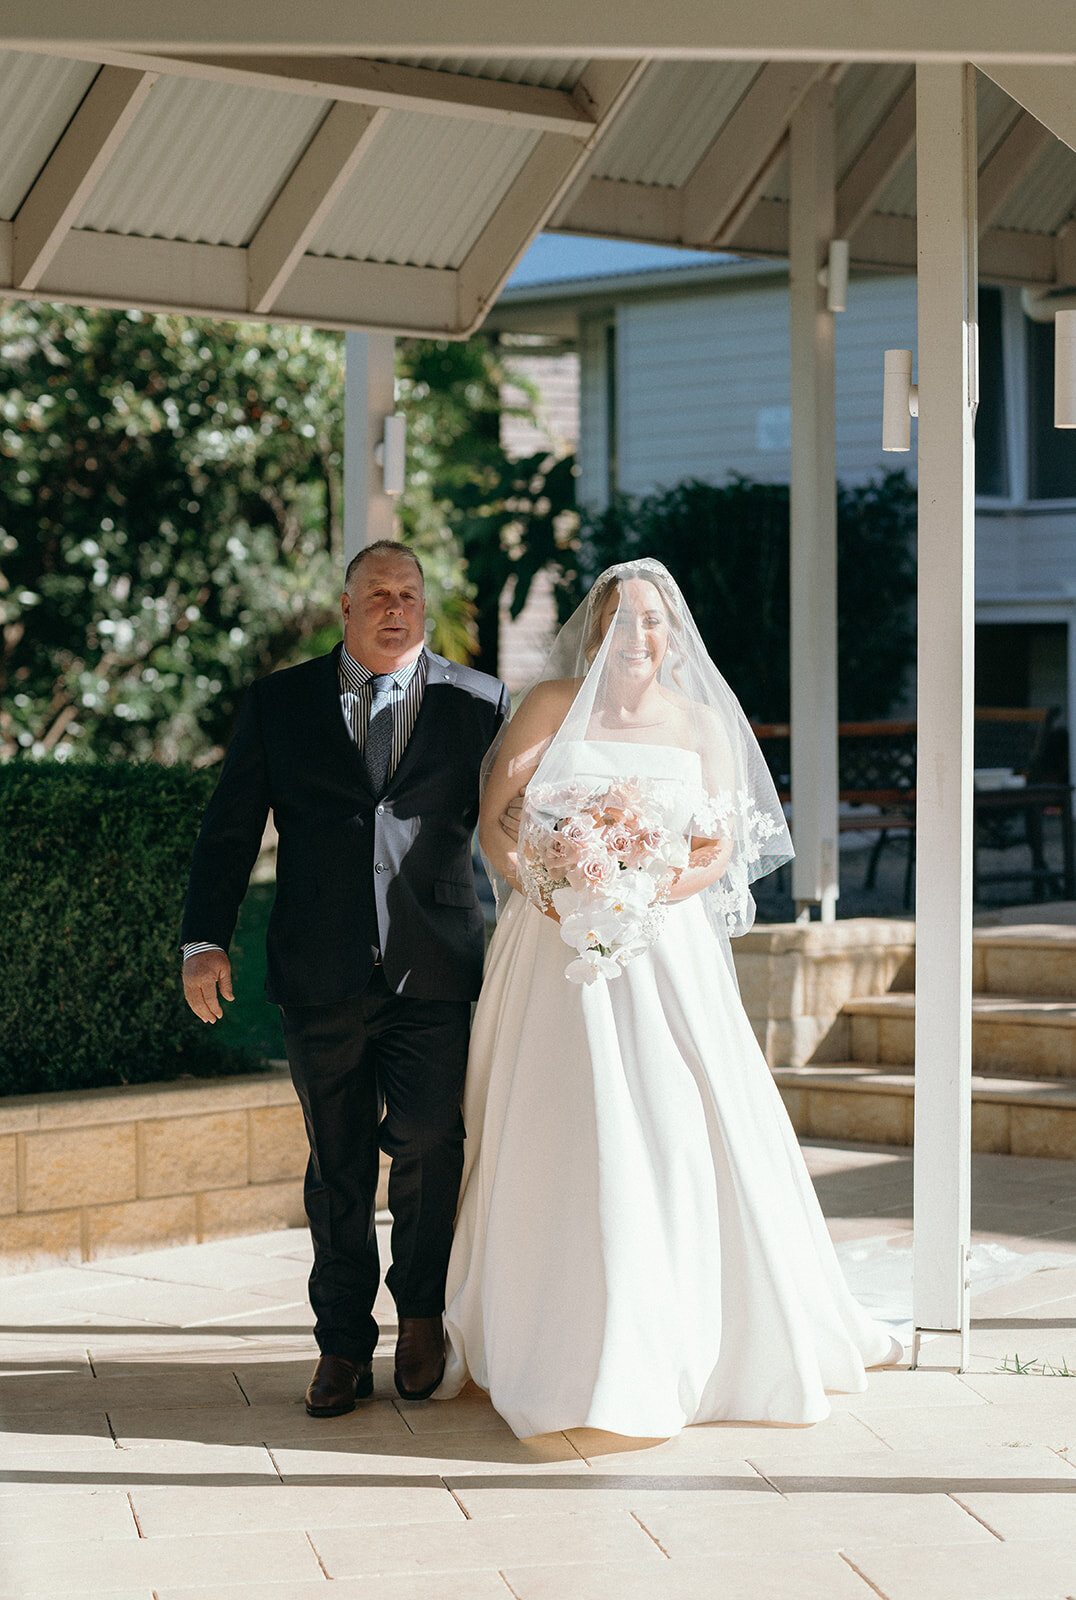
683	373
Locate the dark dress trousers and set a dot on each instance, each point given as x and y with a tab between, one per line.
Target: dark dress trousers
375	951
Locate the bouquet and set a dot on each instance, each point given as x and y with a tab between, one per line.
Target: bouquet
604	858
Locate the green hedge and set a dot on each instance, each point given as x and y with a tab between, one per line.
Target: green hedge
93	871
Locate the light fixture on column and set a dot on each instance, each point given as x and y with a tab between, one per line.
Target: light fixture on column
391	453
900	401
834	275
1065	369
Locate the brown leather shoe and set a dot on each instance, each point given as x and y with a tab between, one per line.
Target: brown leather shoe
420	1357
336	1385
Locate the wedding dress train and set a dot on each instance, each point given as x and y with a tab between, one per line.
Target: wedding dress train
638	1245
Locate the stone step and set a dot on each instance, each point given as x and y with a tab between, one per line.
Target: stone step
1028	958
848	1100
1011	1035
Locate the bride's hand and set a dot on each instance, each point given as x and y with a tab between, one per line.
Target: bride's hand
509	817
706	863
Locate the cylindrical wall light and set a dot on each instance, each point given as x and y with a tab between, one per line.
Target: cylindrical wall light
837	275
900	401
392	452
1065	369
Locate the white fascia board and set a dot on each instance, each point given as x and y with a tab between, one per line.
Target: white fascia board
992	30
206	280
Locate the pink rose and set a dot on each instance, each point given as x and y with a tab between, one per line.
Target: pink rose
593	870
561	853
620	841
576	829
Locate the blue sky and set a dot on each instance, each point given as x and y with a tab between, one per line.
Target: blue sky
553	257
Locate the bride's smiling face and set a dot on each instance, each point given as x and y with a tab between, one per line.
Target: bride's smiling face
636	612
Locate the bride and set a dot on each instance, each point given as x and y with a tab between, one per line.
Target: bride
638	1245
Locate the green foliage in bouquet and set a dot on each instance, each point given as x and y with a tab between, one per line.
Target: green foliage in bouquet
93	866
728	548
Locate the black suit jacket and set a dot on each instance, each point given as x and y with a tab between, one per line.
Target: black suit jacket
356	873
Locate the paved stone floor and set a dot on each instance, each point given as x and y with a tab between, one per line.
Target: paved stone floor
153	1444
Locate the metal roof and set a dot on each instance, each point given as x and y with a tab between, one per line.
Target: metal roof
39	95
201	162
654	144
475	164
398	190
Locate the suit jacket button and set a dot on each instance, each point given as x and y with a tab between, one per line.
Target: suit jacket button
380	811
380	867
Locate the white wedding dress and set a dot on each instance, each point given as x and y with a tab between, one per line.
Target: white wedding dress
638	1244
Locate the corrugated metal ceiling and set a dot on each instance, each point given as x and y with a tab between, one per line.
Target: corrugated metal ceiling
544	74
1045	202
454	175
202	161
39	94
672	119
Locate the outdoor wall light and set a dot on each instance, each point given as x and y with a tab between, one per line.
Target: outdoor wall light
391	452
900	401
1065	369
834	275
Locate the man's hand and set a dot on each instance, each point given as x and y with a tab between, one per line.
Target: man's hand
201	975
509	818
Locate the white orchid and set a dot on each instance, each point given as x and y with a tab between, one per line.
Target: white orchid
591	966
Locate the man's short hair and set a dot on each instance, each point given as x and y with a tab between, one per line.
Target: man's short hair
382	547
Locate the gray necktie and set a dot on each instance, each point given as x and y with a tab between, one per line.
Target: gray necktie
378	746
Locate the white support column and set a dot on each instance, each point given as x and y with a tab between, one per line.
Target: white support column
947	177
813	509
369	397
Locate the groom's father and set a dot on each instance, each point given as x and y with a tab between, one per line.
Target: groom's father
369	759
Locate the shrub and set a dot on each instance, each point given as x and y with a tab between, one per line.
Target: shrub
93	869
727	547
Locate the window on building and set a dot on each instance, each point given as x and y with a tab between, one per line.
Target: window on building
1051	452
991	454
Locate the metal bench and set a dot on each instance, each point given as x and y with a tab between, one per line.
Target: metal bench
876	771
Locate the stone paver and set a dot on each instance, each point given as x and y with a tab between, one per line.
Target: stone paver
153	1442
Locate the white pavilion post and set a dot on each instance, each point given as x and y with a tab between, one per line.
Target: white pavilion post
369	397
813	504
947	183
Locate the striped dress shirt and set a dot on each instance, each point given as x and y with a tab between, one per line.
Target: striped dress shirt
355	697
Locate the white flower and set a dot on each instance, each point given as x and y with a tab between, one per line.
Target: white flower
590	967
567	901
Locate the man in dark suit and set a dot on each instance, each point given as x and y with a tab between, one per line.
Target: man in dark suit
369	759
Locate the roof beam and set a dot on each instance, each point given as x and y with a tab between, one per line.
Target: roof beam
72	172
369	83
1044	91
307	198
724	179
888	244
989	30
1004	171
885	152
547	175
611	209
